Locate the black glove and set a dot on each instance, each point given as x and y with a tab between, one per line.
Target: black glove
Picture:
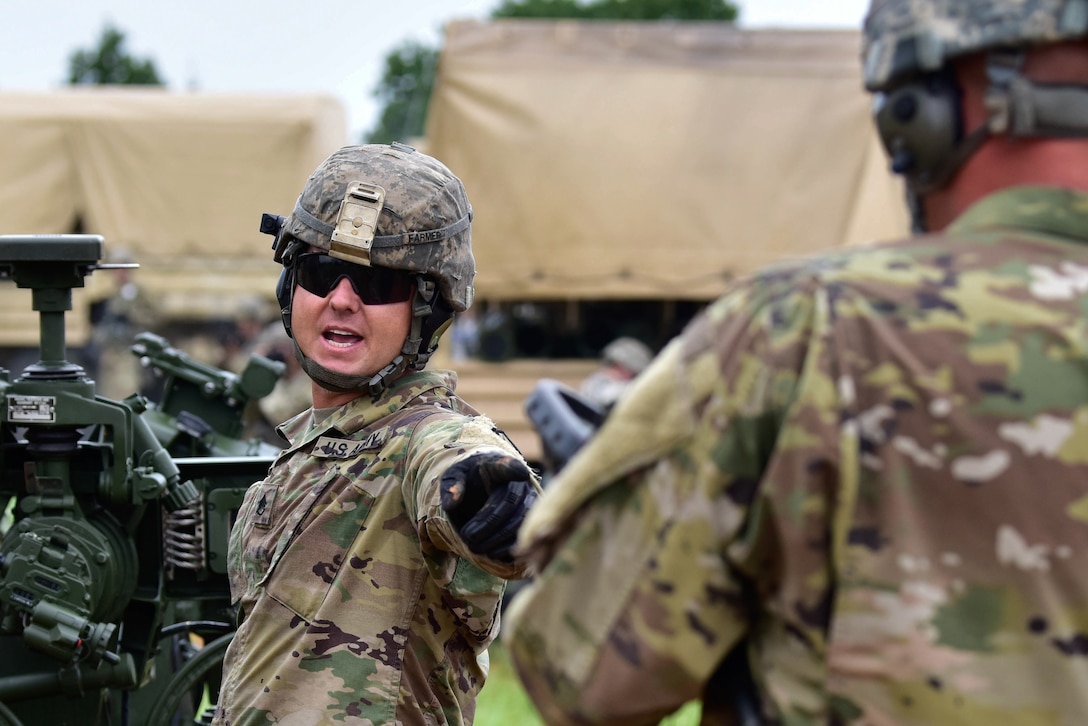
486	497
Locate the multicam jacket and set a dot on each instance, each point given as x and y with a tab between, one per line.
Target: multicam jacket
360	604
869	468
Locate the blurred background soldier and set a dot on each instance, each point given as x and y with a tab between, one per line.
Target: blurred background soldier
290	397
621	360
864	474
255	316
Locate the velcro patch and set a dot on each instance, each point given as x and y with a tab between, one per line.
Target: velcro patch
328	447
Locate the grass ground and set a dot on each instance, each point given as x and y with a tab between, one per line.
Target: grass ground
503	702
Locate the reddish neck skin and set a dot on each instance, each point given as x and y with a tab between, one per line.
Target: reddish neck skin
1003	162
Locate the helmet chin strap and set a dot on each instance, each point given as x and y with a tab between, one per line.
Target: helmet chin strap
410	355
343	383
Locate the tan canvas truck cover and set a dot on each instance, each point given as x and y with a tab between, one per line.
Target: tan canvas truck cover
655	160
619	160
175	182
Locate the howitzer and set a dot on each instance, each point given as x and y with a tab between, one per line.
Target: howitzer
113	562
565	421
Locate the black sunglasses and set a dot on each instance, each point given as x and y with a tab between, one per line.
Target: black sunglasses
318	273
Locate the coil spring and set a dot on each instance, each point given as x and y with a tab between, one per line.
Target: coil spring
183	538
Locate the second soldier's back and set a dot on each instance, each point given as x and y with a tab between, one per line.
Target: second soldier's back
864	473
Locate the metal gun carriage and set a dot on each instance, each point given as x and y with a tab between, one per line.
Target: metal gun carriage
114	601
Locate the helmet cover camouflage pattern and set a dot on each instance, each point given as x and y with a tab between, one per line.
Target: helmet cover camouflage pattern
421	195
903	38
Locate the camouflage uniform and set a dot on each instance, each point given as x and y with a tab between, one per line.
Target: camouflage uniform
870	468
361	604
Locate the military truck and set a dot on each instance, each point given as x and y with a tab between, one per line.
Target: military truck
621	173
175	182
114	605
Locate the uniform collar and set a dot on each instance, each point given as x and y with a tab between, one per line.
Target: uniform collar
1047	210
364	410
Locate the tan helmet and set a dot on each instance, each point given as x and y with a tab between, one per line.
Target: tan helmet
384	206
908	37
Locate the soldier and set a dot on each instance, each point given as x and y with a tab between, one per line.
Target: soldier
291	395
621	361
370	563
866	472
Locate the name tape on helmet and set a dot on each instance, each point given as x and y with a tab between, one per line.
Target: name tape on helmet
356	223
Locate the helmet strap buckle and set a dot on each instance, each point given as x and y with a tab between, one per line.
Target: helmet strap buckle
1002	70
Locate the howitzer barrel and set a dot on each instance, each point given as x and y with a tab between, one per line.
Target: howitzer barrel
72	681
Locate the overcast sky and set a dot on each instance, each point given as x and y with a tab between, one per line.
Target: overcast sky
325	46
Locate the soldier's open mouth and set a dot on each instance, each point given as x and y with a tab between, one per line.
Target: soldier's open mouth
340	337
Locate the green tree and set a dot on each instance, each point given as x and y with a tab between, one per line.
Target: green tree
404	92
110	64
405	87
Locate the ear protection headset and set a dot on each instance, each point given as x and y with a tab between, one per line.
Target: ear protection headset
921	126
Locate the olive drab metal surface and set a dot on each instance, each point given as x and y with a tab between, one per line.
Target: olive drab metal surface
114	538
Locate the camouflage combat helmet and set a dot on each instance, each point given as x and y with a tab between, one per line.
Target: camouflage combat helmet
906	51
908	37
384	206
